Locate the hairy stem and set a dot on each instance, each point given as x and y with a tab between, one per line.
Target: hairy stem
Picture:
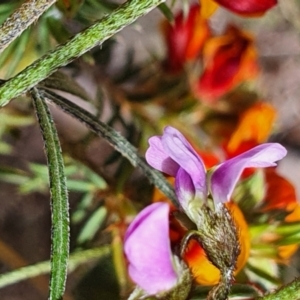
22	18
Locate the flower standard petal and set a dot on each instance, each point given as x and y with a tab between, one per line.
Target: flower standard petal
225	177
159	159
147	247
181	151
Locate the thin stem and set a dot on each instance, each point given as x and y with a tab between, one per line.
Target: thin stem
59	199
114	139
20	19
75	260
81	43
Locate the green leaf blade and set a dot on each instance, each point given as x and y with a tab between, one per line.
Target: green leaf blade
59	199
95	35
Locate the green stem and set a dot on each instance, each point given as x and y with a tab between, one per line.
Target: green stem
288	292
75	260
81	43
116	140
22	18
59	199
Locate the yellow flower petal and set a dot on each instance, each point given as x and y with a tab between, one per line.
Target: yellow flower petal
255	124
208	7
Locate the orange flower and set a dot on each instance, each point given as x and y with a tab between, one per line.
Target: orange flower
203	271
228	60
254	124
208	7
281	195
285	252
247	7
185	38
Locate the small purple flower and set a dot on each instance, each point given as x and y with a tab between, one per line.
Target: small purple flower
172	154
147	248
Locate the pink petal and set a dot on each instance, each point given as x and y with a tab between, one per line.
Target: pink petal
148	250
185	189
225	177
181	151
159	159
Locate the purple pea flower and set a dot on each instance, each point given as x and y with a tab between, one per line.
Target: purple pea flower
172	154
148	250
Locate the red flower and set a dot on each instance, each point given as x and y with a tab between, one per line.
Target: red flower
281	195
248	7
185	38
280	192
228	60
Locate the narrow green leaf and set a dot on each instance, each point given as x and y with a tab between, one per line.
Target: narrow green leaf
82	209
18	53
13	175
289	292
166	11
90	176
59	199
65	83
289	240
93	224
263	274
99	32
114	139
288	228
75	260
80	186
6	9
9	118
5	55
